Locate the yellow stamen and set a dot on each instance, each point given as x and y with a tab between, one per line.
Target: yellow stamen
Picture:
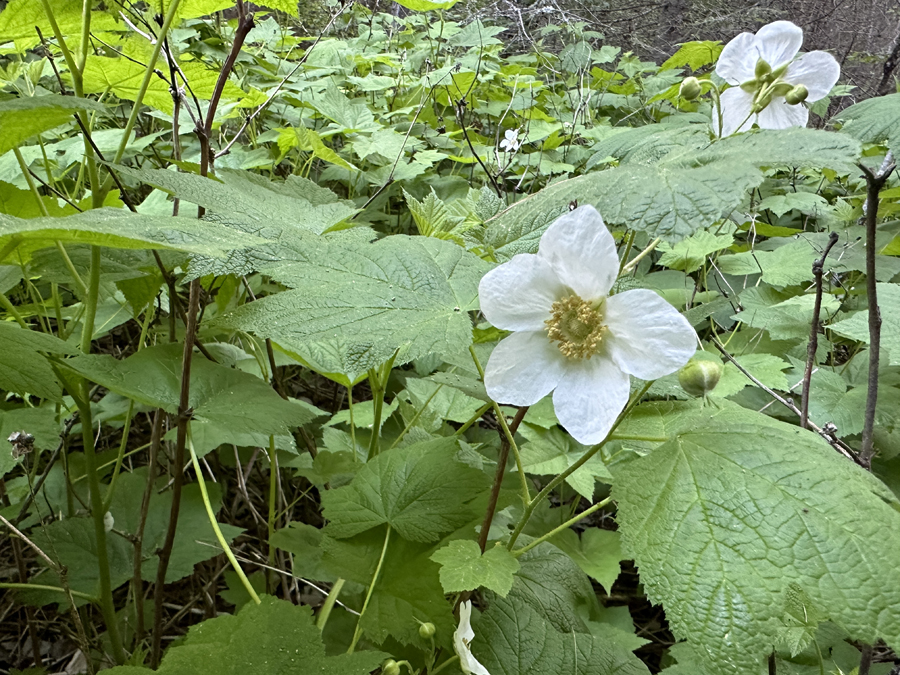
577	326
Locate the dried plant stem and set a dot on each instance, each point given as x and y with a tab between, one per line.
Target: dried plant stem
137	584
813	345
874	182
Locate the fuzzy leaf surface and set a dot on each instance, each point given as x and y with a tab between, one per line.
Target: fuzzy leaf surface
420	490
735	508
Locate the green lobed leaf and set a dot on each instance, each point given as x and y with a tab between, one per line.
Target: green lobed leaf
695	55
365	302
875	120
465	568
735	508
228	405
857	326
116	228
420	490
23	369
22	118
275	637
597	552
513	639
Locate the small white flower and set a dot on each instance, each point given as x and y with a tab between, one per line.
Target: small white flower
764	70
510	142
569	337
462	638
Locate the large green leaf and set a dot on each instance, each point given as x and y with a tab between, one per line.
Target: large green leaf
857	326
407	592
251	199
120	229
419	490
513	639
195	540
22	118
229	406
23	370
363	302
873	121
275	638
734	510
19	19
686	190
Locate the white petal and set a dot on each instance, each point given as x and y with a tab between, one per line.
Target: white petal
590	397
582	252
518	294
817	71
461	639
647	338
779	115
523	368
736	105
779	42
737	62
465	622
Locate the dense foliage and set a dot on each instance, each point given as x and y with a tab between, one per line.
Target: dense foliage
243	359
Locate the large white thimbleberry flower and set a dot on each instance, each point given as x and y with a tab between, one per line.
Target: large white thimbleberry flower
770	83
462	638
569	336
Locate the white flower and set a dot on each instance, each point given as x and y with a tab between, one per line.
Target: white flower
510	142
765	71
569	337
462	638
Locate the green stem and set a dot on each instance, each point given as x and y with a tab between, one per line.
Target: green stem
474	418
51	589
358	632
352	422
13	312
90	301
452	659
565	526
145	84
215	525
67	55
530	507
83	401
501	419
377	407
120	456
328	605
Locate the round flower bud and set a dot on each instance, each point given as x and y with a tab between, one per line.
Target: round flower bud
690	89
698	378
796	95
426	630
762	69
390	667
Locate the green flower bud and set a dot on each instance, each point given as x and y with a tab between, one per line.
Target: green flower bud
762	69
690	89
698	378
426	630
796	95
390	667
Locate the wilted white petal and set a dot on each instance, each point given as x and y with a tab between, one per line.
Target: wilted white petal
462	638
737	62
736	106
589	398
817	71
778	42
779	115
523	369
647	337
518	294
582	252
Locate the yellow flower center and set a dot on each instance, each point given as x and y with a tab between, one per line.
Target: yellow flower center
577	326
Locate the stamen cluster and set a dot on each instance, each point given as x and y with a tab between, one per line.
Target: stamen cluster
577	326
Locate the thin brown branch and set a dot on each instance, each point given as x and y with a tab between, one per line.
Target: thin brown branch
813	345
